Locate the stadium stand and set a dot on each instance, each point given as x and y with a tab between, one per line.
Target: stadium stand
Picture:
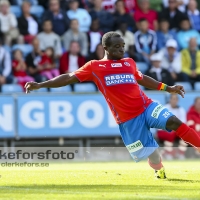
37	11
25	48
16	10
41	90
197	86
187	86
109	19
62	89
11	88
84	87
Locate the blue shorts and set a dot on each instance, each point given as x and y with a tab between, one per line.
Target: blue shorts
136	132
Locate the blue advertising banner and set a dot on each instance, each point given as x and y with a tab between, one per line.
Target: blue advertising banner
7	114
57	115
64	115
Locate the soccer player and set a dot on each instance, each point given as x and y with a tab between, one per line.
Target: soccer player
118	79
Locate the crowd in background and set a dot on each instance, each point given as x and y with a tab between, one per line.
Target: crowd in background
164	34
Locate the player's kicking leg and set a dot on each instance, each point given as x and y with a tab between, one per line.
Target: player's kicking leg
159	117
186	133
155	162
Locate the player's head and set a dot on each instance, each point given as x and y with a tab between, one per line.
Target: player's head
113	44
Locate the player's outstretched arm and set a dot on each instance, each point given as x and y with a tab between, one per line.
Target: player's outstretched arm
151	83
59	81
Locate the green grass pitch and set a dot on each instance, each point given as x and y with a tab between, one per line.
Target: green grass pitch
114	180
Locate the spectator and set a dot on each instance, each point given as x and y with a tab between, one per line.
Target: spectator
80	14
8	23
73	34
171	60
57	16
19	69
71	60
48	38
131	6
172	14
95	35
194	15
181	4
47	64
109	5
169	139
98	54
27	23
145	12
193	119
184	35
156	72
32	61
5	65
120	15
106	20
191	62
128	37
164	34
145	41
64	4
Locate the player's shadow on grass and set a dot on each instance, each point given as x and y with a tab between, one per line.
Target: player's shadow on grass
183	180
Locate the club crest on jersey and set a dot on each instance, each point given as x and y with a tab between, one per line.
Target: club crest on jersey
116	65
127	64
116	79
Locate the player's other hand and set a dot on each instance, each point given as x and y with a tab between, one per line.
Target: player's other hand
176	89
31	86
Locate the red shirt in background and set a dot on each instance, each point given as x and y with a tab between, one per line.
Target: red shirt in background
131	6
15	72
151	16
117	80
193	119
45	60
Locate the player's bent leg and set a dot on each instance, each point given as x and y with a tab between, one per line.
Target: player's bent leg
137	138
155	162
186	133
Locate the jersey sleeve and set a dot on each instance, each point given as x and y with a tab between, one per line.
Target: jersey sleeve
137	73
85	72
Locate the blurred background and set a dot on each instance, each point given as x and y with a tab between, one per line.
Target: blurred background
41	39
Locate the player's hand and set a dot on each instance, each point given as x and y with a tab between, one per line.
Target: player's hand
176	89
31	86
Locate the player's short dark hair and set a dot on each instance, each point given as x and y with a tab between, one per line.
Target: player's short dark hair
142	20
106	40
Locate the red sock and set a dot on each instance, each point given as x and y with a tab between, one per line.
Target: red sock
189	135
156	166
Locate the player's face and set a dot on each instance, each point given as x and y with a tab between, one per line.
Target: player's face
116	49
